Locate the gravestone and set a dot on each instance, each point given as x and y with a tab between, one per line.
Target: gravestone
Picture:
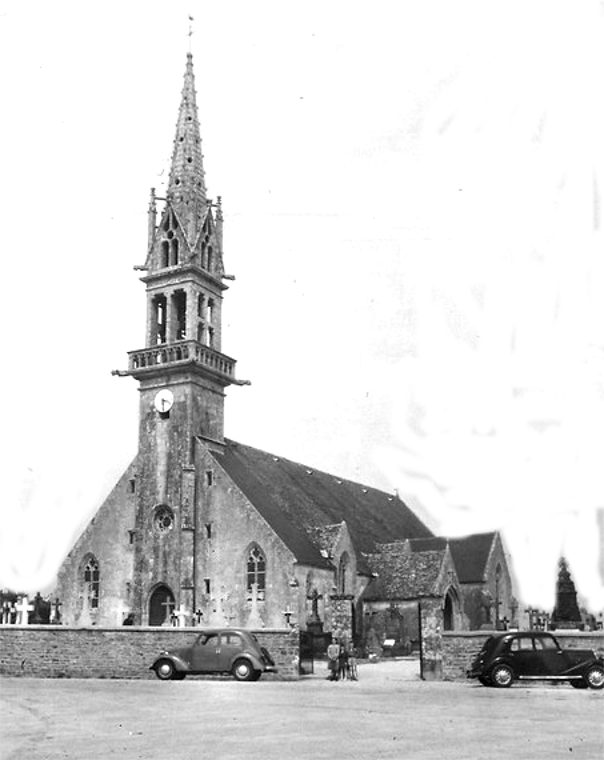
23	608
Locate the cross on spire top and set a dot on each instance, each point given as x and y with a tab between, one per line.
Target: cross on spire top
190	33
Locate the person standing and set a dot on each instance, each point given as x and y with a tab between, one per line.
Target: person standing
352	663
333	658
343	661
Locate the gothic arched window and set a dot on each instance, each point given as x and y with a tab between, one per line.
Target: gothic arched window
174	251
165	254
92	585
256	573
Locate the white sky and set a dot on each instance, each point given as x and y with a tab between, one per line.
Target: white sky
413	203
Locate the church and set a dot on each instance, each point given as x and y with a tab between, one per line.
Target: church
203	530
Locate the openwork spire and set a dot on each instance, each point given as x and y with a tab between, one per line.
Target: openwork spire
186	186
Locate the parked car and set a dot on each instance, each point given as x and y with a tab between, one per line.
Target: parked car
534	655
227	650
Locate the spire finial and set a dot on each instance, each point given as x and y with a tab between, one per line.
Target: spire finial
191	19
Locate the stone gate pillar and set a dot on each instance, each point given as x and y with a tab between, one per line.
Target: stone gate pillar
341	615
431	627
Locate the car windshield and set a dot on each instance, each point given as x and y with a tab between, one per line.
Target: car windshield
489	645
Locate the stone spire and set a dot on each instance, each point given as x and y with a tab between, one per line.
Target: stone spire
186	185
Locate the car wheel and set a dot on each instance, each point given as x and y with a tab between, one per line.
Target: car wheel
501	676
165	670
594	677
243	670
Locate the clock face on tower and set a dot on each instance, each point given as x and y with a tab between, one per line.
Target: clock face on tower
163	401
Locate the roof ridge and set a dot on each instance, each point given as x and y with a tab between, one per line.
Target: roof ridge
314	470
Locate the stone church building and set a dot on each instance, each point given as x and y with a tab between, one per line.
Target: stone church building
202	530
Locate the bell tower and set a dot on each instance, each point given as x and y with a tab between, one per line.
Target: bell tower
181	370
182	359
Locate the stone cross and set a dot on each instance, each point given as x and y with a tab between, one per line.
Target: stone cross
218	618
23	607
254	620
198	616
314	597
169	605
56	614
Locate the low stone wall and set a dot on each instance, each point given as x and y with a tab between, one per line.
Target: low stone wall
460	647
49	651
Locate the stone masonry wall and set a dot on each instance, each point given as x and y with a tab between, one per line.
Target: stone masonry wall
460	648
46	651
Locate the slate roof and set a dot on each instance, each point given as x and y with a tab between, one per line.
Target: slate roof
294	499
403	573
470	553
325	536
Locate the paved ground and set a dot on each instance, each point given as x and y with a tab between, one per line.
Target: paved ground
388	713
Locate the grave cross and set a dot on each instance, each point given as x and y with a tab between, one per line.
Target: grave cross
180	616
287	614
23	607
314	597
56	614
198	615
169	605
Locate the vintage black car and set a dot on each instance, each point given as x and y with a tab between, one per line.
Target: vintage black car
227	650
535	655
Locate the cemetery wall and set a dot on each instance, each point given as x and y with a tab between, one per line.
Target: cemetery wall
55	651
460	647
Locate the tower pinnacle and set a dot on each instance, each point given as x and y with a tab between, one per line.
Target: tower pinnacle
186	184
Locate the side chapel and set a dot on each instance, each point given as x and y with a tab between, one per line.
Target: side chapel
201	530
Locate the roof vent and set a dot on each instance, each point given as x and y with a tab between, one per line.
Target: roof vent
309	472
364	490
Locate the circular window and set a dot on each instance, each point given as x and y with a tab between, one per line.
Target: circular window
164	519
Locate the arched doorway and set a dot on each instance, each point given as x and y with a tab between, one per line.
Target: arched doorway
161	606
450	610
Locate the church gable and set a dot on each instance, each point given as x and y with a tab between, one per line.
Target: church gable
471	555
94	581
169	247
207	249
